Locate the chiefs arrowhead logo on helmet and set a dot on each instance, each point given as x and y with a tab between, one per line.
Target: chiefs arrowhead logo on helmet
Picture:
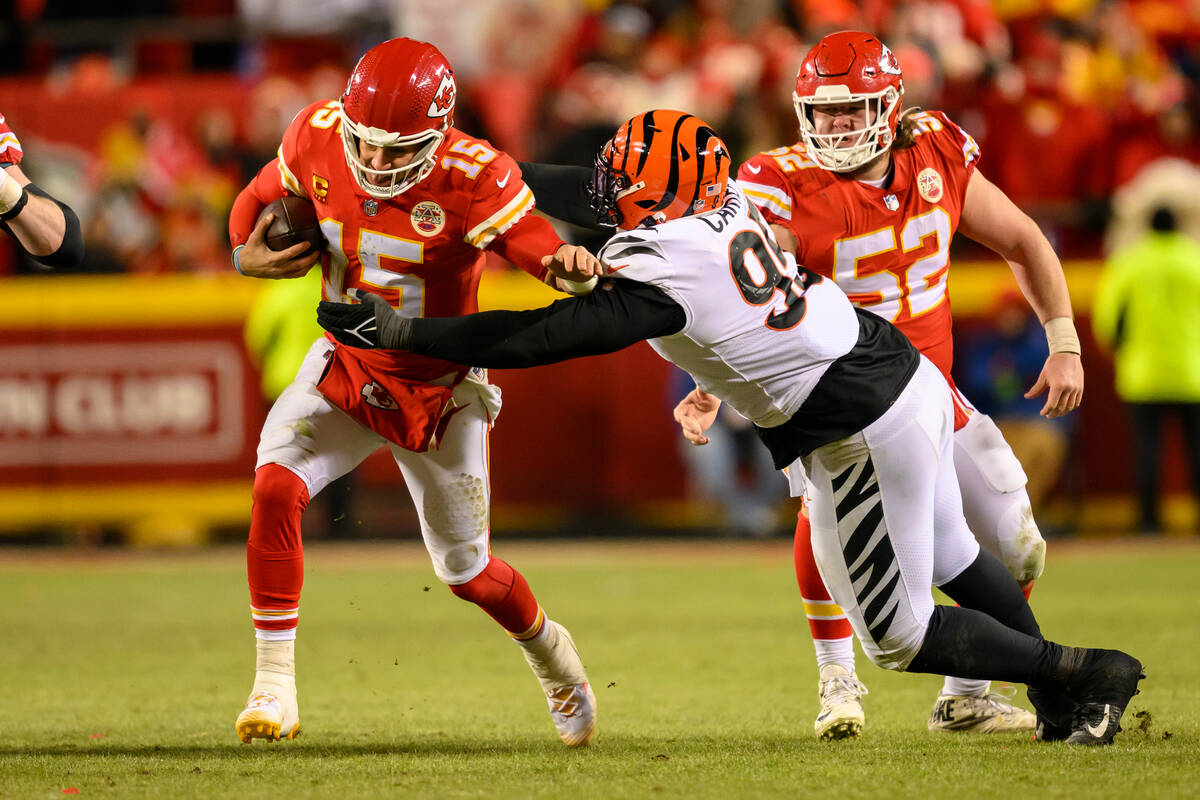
443	98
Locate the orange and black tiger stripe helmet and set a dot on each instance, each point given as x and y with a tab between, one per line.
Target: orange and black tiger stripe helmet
660	165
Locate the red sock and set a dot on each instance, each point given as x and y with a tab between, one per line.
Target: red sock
274	554
504	594
818	605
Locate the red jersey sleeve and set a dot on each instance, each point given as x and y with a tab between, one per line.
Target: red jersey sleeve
258	194
297	140
499	198
958	147
524	244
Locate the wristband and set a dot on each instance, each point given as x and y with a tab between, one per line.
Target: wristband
13	197
236	251
1061	336
579	287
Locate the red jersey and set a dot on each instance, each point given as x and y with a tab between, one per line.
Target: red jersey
887	248
422	251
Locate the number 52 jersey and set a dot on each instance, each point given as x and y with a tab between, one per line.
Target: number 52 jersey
886	247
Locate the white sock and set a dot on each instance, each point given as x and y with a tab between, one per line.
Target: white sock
835	651
275	668
963	687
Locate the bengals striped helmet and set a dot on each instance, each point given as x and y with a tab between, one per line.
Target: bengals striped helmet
660	165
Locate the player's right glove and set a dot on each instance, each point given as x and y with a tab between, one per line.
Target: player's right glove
370	323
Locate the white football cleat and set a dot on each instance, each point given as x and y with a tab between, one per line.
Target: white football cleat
555	661
272	712
573	709
988	713
841	715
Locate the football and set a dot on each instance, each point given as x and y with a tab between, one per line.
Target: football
295	222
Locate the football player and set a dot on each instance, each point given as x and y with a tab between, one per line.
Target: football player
45	228
871	196
839	396
407	203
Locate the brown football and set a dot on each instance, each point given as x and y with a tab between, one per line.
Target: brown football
295	222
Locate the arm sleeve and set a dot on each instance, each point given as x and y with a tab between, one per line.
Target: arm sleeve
250	202
526	242
561	192
611	318
69	253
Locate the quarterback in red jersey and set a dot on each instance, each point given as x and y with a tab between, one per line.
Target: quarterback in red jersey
407	204
871	197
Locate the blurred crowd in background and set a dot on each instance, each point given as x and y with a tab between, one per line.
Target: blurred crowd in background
1069	99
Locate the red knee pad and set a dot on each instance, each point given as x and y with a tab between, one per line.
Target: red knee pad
503	593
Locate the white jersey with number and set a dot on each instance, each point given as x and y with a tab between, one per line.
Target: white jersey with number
760	331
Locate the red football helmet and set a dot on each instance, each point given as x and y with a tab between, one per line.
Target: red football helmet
660	165
846	68
401	93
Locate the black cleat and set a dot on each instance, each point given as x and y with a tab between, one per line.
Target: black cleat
1103	686
1055	712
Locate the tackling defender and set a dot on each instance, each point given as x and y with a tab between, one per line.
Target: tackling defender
407	203
836	393
871	197
45	228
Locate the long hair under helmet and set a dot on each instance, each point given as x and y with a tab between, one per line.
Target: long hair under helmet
660	165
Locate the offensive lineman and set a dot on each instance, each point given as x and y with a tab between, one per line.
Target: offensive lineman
45	228
871	197
407	203
837	394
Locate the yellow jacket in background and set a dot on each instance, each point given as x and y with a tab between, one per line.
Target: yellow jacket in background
1147	311
281	327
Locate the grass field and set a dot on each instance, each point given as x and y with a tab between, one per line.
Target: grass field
122	673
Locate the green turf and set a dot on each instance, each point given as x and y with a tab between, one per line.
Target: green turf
121	676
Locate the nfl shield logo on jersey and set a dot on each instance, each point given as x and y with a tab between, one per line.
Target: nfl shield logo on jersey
929	184
371	207
891	202
428	218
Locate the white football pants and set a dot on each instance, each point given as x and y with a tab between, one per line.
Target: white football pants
448	483
887	519
994	499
